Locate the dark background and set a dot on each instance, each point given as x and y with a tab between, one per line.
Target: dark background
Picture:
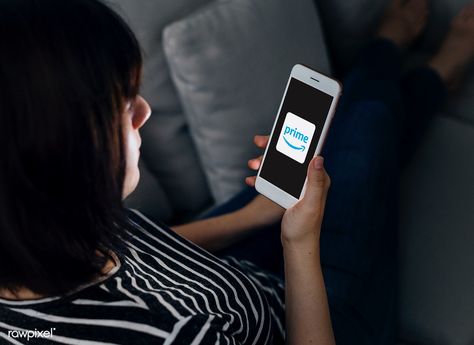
311	105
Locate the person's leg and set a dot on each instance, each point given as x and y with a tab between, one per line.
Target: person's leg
358	239
423	93
425	88
359	235
362	303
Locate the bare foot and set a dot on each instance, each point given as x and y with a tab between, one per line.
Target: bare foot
404	21
457	50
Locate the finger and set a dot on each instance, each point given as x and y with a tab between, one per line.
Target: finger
254	164
251	180
317	184
261	140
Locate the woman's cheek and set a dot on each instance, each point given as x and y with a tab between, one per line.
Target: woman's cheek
132	174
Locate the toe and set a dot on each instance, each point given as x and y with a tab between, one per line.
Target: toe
395	5
419	7
467	13
469	8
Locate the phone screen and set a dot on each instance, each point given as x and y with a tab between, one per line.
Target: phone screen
296	136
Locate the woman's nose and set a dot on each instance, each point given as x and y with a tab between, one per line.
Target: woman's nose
142	112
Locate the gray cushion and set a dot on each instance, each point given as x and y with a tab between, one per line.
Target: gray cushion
174	163
437	239
230	62
171	156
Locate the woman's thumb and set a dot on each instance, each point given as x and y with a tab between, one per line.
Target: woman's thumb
318	181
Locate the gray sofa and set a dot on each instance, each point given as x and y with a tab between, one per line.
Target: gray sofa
214	74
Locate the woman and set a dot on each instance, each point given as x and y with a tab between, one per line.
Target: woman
75	263
72	260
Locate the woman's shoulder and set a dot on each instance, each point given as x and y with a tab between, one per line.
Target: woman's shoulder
137	219
151	236
143	226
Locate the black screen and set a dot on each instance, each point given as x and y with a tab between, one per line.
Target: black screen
304	103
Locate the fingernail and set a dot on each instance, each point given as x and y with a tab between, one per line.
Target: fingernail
318	163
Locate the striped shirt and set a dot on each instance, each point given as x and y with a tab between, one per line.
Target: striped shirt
163	290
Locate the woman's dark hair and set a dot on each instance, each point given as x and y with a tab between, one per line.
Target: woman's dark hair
66	69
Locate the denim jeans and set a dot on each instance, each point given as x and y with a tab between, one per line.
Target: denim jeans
380	119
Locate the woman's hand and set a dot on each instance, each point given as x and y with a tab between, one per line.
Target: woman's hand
305	217
307	310
302	222
261	141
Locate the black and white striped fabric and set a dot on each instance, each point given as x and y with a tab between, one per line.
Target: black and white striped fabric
164	291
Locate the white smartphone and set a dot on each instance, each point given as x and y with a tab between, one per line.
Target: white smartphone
298	134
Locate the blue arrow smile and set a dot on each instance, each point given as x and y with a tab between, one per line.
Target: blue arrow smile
302	147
